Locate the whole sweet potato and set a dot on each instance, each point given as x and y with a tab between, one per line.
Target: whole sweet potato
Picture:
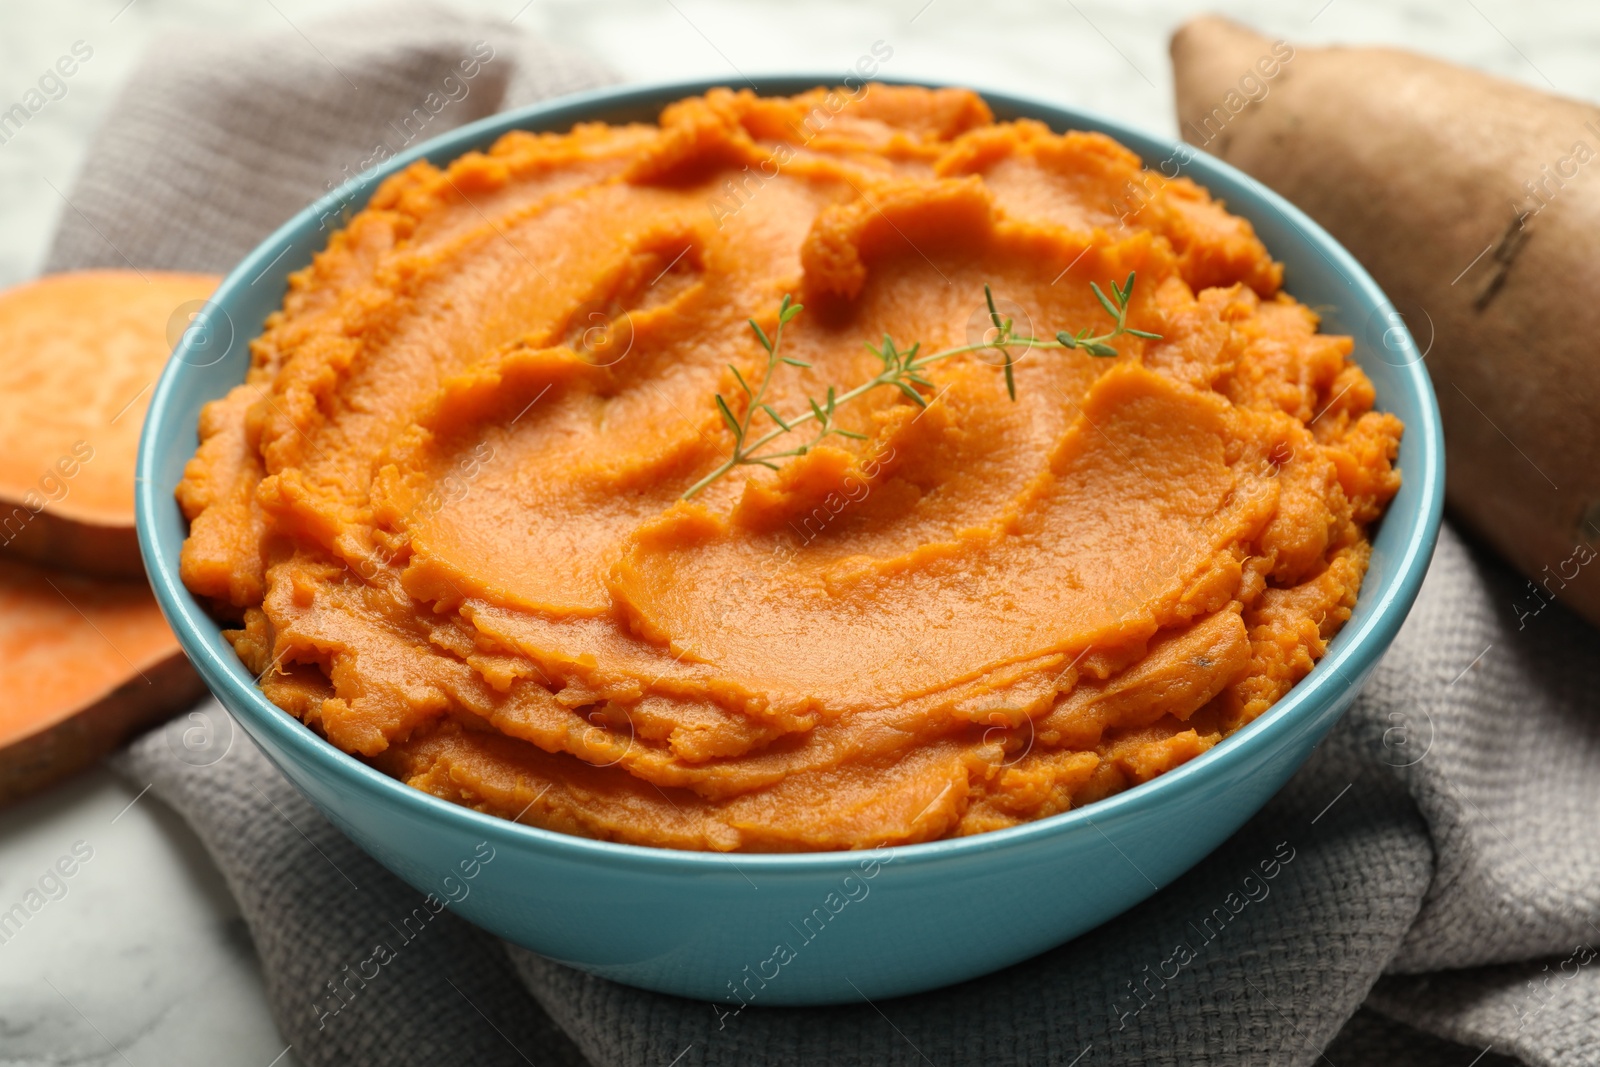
1475	203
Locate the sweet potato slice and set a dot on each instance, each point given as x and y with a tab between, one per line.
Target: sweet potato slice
1474	202
86	663
79	355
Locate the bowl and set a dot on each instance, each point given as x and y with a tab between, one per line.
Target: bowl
854	924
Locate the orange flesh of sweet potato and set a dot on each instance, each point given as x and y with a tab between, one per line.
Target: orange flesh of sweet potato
79	356
86	663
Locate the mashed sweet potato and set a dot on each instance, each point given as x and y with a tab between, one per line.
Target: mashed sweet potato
445	511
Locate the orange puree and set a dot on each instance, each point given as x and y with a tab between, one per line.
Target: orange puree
445	506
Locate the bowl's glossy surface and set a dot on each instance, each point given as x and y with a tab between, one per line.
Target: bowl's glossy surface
830	926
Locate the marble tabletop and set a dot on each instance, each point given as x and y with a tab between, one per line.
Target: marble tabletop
144	960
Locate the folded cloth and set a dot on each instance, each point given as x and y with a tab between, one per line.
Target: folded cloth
1435	865
218	139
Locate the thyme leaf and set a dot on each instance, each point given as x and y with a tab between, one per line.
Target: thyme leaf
902	370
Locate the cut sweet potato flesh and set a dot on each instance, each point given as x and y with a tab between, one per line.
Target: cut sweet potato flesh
82	352
86	662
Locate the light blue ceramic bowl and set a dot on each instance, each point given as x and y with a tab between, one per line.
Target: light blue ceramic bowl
700	924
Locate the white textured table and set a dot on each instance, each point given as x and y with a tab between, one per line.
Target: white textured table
144	961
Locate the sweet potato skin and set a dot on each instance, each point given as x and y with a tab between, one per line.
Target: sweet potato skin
104	550
1474	202
81	740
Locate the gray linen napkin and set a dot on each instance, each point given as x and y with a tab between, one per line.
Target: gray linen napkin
1445	864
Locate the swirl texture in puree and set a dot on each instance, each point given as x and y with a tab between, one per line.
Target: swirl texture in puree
444	508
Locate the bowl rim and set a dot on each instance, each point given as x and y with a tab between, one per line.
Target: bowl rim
1354	656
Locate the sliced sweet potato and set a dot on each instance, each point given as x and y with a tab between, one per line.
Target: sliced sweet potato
79	355
86	663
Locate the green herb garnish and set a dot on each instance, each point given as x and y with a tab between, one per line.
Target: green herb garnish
902	369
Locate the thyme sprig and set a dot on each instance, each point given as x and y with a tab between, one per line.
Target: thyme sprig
1118	310
902	370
